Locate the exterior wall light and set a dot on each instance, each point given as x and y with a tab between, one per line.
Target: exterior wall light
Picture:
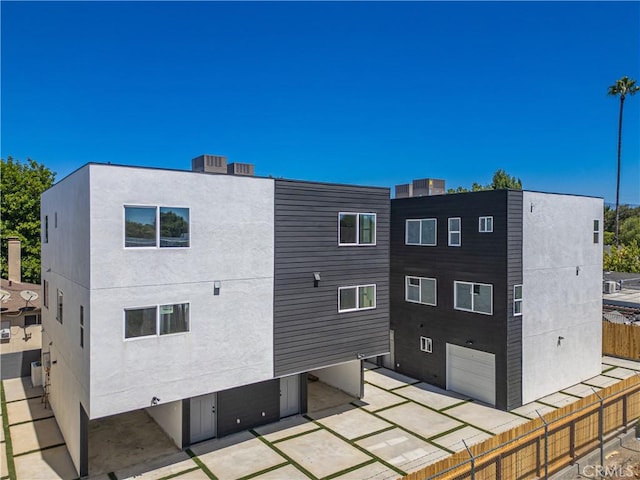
216	287
316	279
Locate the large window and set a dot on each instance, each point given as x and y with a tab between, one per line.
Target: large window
421	290
421	232
141	227
473	297
359	297
596	231
454	232
156	320
357	229
517	300
485	224
60	301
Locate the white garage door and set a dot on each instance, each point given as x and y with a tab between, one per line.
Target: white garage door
471	372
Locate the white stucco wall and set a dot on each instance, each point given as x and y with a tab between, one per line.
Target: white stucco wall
346	377
65	266
557	242
169	417
232	240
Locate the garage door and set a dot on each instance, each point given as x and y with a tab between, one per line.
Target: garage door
471	372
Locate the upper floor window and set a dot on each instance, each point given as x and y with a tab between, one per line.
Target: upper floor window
60	300
45	293
473	297
421	290
81	326
156	320
485	224
596	231
46	229
421	231
141	227
454	232
517	300
359	297
357	229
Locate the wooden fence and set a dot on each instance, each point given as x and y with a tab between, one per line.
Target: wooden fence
621	340
524	452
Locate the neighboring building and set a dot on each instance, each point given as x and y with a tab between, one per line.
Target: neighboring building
206	298
497	294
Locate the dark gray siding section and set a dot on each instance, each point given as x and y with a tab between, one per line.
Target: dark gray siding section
253	405
309	332
481	258
514	277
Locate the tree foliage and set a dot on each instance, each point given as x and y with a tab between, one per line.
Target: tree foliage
625	258
500	180
21	185
629	221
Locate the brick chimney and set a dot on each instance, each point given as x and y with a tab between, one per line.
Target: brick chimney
14	259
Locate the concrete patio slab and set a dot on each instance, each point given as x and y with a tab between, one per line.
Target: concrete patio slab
581	390
621	362
453	440
430	395
220	443
601	381
373	471
485	417
418	419
353	423
241	459
170	465
529	410
27	410
51	464
20	389
288	472
321	396
4	471
195	475
402	450
387	379
558	399
286	428
322	453
376	398
620	372
35	435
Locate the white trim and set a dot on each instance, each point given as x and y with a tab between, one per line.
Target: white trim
357	287
455	297
517	300
157	334
406	290
486	220
596	231
420	243
426	344
458	231
357	243
157	208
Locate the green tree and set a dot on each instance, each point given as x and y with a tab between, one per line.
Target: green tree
21	185
625	258
623	87
500	180
630	231
625	212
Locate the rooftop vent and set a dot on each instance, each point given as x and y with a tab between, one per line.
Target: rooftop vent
209	164
421	187
236	168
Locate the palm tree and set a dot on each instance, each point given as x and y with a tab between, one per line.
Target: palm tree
623	87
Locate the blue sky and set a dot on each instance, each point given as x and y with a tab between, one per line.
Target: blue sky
371	93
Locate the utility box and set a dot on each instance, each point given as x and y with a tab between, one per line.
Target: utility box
36	374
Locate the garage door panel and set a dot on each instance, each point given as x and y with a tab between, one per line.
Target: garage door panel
471	372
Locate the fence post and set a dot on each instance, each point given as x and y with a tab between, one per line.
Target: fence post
546	446
600	426
624	413
473	460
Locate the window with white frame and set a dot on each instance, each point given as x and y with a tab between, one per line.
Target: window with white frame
45	293
81	326
426	344
517	300
358	297
46	229
596	231
421	290
165	227
455	236
421	231
59	301
473	297
485	224
356	228
156	320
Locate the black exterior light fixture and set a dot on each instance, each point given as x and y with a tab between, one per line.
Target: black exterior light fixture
316	279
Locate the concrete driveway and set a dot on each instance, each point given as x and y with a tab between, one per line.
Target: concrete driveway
400	426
